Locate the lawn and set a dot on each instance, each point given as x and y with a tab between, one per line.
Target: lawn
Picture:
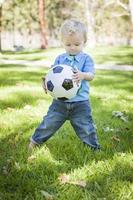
63	168
107	55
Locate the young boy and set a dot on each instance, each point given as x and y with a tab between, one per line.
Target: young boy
77	109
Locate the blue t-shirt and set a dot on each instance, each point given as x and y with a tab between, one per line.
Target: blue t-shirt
84	63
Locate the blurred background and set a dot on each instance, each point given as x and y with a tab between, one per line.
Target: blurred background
35	23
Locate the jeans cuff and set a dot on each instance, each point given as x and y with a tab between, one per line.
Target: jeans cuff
33	141
95	148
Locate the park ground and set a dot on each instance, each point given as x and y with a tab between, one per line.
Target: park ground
63	168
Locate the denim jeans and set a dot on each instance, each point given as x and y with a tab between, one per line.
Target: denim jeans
79	114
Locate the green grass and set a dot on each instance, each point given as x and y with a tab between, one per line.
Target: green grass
108	174
113	55
109	55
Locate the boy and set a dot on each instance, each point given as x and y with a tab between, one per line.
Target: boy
77	109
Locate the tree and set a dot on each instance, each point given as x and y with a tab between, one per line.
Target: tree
59	10
109	21
41	9
122	12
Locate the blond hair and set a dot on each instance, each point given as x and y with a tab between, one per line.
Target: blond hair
72	26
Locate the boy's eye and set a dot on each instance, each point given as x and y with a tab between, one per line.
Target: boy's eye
68	45
77	44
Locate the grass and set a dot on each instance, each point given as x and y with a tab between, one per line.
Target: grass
107	55
35	176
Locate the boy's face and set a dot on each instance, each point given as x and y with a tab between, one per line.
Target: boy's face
73	43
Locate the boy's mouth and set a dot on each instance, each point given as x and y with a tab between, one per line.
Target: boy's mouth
72	53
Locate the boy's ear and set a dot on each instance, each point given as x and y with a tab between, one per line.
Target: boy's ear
85	43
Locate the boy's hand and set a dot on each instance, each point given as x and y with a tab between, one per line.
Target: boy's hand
44	85
78	76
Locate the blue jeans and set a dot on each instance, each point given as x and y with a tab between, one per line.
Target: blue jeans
79	114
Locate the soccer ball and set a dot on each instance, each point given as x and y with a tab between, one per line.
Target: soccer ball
59	82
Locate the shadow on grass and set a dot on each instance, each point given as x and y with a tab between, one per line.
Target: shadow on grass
68	155
23	52
24	60
19	100
115	80
11	65
24	179
118	55
13	77
117	59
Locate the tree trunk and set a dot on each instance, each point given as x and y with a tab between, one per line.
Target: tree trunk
41	7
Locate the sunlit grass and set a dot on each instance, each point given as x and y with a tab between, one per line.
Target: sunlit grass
112	55
105	54
23	175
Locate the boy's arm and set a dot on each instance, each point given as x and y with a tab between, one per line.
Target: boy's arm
88	76
87	73
78	76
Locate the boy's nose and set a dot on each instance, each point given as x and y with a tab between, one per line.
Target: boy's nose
72	47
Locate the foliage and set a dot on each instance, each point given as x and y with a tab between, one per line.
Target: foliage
59	10
20	15
108	19
23	13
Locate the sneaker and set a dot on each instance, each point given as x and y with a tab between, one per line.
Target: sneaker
96	148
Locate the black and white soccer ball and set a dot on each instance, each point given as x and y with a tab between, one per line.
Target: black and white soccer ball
59	82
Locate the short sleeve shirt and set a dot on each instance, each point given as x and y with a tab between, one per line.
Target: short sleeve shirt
82	62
